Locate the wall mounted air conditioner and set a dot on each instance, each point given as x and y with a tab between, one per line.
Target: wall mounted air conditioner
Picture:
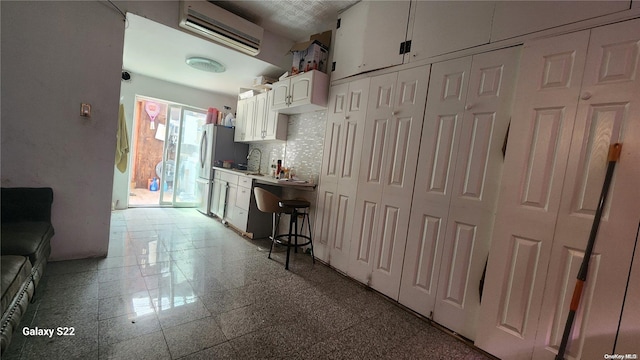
218	24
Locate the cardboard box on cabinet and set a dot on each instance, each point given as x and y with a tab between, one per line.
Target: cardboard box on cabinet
312	54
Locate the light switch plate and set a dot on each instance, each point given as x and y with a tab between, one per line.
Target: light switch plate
85	110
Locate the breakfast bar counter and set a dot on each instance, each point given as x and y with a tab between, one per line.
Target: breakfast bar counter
233	202
268	180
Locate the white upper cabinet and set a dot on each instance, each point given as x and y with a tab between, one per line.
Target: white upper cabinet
244	117
262	109
373	35
440	27
301	93
368	37
257	122
515	18
274	126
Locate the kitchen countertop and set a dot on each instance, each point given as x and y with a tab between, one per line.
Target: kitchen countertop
265	179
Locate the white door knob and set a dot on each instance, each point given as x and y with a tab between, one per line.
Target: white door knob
394	113
585	95
468	107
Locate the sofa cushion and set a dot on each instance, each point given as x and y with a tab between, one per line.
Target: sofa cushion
29	239
16	270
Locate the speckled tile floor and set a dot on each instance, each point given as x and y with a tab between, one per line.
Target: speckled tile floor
179	285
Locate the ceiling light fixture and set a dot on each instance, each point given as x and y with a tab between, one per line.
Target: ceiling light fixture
205	64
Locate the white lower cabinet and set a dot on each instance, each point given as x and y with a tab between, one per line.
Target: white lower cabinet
223	194
456	188
232	201
395	113
230	212
577	94
218	198
240	212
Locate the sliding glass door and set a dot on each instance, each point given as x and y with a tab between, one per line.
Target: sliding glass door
181	154
170	155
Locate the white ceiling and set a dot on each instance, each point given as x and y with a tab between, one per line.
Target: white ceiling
292	19
159	51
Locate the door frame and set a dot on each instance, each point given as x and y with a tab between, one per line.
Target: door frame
134	148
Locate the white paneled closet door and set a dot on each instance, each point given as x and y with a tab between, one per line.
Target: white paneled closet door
349	153
475	189
544	110
369	197
341	165
457	187
434	180
395	114
324	229
608	112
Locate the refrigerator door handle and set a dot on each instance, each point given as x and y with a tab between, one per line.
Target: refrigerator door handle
203	148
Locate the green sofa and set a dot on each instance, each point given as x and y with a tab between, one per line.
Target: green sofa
25	249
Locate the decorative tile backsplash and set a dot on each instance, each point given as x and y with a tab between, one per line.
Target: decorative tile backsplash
302	150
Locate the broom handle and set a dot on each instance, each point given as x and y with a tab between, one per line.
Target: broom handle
614	155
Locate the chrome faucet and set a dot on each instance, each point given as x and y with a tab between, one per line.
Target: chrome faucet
259	161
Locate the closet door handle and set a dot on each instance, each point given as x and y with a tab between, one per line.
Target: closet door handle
469	106
586	95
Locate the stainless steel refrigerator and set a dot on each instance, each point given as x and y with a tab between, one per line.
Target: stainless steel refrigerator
216	144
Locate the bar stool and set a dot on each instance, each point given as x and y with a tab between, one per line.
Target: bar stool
269	203
299	208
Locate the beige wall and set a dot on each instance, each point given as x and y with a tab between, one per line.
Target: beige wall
55	56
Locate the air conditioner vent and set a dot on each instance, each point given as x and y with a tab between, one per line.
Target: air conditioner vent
221	26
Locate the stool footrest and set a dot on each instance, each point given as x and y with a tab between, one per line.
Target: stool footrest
285	242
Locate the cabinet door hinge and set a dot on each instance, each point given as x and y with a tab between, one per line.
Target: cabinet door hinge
338	24
405	47
333	66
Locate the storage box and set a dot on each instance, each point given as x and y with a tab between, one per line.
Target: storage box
263	80
245	94
312	54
